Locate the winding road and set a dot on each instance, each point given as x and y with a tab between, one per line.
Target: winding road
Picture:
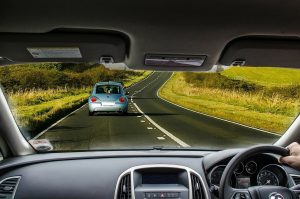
151	122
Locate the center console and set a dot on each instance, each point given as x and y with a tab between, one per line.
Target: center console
160	181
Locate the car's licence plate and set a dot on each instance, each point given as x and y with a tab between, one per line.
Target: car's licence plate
108	103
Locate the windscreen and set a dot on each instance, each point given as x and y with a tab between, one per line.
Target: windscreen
89	107
108	89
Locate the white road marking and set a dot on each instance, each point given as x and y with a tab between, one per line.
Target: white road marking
142	120
170	135
149	128
160	138
207	114
139	116
57	122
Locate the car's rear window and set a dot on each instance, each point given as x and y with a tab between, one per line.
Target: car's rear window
108	89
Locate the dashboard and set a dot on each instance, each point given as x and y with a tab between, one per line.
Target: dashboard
134	174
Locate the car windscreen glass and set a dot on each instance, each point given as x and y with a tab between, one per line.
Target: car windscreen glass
108	89
89	107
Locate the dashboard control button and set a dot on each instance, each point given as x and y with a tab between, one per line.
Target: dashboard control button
173	195
148	195
155	195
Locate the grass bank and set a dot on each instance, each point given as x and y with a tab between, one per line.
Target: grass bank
239	98
39	96
35	110
134	79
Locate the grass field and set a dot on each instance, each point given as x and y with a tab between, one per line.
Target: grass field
36	109
265	76
262	107
134	79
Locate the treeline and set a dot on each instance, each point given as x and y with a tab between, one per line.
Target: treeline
57	75
217	80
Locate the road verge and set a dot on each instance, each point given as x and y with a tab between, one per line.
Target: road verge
172	92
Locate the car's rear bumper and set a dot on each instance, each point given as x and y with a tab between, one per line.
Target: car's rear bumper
98	107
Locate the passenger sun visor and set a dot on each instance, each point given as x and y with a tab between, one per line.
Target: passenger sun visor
62	47
262	52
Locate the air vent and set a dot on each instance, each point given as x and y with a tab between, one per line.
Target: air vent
8	187
124	188
296	179
196	187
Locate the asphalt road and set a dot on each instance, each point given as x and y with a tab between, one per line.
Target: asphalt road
151	122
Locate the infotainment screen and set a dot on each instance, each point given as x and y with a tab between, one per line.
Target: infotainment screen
155	178
243	182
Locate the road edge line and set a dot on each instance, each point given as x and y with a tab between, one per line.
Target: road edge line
170	135
218	118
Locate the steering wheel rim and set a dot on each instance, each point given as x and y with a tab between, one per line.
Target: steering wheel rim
226	190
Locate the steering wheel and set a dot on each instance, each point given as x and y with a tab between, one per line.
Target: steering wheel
226	191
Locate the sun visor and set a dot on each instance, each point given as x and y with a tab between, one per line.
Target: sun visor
262	52
62	47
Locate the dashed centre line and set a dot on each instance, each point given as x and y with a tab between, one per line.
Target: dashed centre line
164	131
170	135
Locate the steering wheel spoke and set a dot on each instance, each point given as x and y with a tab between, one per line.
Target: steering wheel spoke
240	193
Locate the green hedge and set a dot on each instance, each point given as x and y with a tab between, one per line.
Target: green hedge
54	75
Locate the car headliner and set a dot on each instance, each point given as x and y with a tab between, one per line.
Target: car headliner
189	27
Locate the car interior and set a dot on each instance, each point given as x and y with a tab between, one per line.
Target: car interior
170	35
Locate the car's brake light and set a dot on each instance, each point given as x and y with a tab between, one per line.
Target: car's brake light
93	99
121	99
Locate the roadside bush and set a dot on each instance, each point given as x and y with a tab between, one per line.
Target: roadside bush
217	80
55	75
